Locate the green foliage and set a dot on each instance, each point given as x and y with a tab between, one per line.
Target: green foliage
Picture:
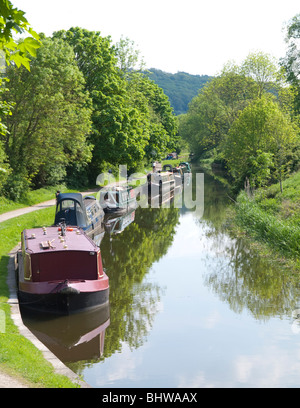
214	109
246	117
131	115
257	140
51	116
290	62
263	69
281	235
13	21
180	88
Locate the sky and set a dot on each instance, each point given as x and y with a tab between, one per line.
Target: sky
195	36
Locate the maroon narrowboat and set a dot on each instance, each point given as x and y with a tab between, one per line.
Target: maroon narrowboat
60	270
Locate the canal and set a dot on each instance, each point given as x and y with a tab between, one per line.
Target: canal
190	306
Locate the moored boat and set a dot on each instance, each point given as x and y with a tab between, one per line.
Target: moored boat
117	199
60	270
160	182
78	211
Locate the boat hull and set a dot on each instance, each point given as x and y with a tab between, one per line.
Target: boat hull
67	300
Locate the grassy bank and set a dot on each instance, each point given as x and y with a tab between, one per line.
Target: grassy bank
273	218
31	198
18	356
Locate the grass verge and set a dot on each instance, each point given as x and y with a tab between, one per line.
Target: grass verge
273	218
32	197
17	354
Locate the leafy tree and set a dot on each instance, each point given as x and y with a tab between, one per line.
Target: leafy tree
213	111
118	128
259	139
163	124
263	69
51	117
128	57
291	61
12	21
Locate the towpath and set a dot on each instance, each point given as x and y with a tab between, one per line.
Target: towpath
21	211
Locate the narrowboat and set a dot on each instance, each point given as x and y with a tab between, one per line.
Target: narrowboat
160	182
185	166
176	171
117	199
77	211
60	270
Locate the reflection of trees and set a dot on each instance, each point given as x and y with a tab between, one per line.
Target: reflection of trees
238	275
244	280
127	258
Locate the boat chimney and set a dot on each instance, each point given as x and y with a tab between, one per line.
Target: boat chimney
63	226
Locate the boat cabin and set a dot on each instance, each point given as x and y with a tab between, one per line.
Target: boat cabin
76	210
117	199
185	166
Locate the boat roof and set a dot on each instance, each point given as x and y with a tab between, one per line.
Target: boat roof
36	241
70	196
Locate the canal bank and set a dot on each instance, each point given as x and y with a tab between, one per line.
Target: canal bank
58	366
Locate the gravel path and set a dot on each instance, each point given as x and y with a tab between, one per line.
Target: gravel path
25	210
6	381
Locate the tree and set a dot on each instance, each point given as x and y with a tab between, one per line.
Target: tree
12	21
263	69
259	140
118	127
212	112
291	61
128	56
51	116
124	106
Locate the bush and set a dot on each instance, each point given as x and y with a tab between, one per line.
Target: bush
16	187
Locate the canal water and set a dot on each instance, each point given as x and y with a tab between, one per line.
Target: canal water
190	306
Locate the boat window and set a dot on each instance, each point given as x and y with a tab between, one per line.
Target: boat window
67	204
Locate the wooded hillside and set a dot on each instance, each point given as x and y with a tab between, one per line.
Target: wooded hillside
180	88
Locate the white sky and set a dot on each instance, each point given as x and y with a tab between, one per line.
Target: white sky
194	36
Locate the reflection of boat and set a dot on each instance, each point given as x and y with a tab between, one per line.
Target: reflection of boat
117	199
115	225
74	337
165	199
60	269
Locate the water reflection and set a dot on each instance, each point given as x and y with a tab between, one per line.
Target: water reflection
127	258
238	275
71	338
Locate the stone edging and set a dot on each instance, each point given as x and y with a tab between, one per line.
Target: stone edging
58	365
